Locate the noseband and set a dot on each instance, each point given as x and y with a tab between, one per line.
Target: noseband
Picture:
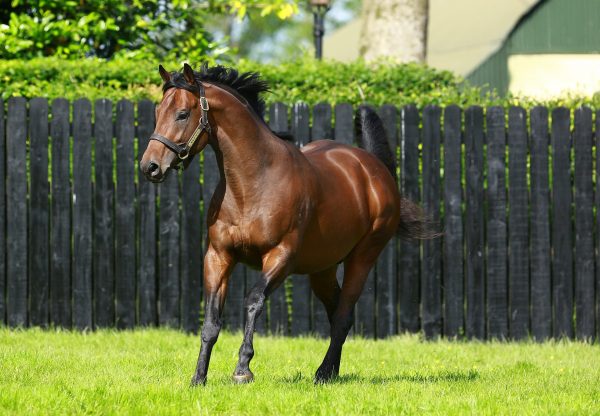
183	151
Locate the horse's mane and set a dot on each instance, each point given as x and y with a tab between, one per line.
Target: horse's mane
247	85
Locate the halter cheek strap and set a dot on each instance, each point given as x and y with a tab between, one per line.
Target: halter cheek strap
183	151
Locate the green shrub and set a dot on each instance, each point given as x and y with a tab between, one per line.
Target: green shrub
91	78
305	80
312	81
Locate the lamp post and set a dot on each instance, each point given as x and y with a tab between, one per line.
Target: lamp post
319	8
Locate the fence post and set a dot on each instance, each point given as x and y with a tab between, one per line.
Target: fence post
387	267
518	227
82	214
343	131
431	290
453	225
147	271
562	244
409	258
16	212
584	225
541	301
475	276
104	274
39	210
124	214
497	296
60	245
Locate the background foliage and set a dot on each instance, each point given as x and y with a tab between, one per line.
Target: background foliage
303	80
105	28
110	49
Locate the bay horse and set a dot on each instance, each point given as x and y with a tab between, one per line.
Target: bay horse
278	208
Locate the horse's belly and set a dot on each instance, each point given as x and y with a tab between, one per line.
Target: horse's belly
320	254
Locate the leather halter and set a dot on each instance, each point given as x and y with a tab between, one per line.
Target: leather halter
183	151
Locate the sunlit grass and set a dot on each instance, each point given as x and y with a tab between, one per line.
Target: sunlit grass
147	372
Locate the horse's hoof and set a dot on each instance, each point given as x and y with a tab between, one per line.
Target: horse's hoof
243	378
322	380
198	381
325	376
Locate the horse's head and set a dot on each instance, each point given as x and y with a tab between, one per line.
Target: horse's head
182	127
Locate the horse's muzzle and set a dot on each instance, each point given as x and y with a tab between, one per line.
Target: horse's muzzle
152	171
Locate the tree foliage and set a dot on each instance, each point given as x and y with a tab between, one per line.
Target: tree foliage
133	28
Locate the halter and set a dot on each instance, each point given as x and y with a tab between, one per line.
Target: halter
183	151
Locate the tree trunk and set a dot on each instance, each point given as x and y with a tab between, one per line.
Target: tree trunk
394	28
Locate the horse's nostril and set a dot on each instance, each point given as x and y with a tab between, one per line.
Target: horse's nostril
152	167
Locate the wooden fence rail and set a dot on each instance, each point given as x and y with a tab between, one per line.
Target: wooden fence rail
86	242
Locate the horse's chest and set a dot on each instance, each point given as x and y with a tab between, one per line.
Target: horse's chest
247	239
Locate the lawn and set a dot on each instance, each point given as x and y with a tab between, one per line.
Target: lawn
147	372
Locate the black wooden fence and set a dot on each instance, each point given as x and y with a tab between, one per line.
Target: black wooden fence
86	242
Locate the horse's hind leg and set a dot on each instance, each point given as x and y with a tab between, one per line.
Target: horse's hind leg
356	270
326	288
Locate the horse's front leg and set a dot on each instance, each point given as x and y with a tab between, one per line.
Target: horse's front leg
276	267
217	269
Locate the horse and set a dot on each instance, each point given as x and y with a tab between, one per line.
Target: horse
279	208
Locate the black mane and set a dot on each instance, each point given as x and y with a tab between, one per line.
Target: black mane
247	85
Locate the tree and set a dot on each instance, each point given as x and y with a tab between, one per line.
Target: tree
395	29
104	28
274	40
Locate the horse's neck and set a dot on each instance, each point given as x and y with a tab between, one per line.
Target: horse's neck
244	155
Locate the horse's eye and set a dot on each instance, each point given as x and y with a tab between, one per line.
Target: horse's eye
182	115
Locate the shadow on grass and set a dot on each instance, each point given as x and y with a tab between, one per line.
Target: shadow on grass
443	376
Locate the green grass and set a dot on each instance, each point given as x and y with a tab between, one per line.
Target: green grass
147	372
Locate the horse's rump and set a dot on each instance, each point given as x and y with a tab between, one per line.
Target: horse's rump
353	195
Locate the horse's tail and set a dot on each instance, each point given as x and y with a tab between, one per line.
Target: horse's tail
370	134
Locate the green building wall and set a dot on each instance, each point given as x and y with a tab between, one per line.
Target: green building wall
552	26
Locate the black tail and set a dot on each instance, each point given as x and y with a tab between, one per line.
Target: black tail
371	136
370	133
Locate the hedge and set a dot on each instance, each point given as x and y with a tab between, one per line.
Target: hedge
305	80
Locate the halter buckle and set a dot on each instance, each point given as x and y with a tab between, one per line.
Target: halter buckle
204	104
183	154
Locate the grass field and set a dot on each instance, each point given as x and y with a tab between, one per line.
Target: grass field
147	372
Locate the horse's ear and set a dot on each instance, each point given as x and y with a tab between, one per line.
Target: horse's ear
188	74
166	77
